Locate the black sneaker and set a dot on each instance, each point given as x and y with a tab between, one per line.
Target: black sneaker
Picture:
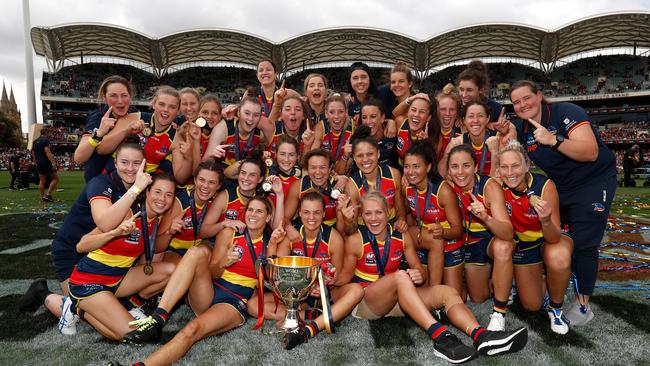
47	198
149	330
450	348
30	301
292	339
495	343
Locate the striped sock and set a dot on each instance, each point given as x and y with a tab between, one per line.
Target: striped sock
436	330
500	306
161	314
312	327
137	300
477	332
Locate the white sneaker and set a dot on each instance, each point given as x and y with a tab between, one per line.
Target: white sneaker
578	314
497	322
559	323
68	321
137	313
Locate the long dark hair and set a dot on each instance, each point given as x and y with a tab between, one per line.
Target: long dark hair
424	149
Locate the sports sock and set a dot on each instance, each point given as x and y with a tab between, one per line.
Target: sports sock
555	305
312	328
436	330
161	315
500	306
137	300
476	332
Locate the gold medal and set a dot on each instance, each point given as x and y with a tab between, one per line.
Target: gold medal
533	199
297	173
146	132
269	162
148	269
335	194
200	122
267	187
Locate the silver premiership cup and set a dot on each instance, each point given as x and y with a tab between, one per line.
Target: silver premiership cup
291	279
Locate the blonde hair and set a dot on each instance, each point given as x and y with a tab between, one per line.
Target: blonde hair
166	90
514	146
375	195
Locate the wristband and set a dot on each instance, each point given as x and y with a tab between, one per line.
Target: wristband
92	142
132	195
135	190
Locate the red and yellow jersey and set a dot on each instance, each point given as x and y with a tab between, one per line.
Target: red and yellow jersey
242	273
110	263
184	240
334	142
475	228
287	181
366	271
306	185
205	139
426	203
279	130
405	139
235	207
386	185
246	144
445	139
306	248
482	153
523	216
157	147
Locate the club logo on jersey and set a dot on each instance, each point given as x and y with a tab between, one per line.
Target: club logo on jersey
231	214
509	208
598	207
389	146
411	201
530	213
297	251
108	192
188	222
400	143
239	250
390	193
134	237
397	256
370	259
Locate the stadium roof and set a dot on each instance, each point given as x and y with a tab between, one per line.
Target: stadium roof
506	40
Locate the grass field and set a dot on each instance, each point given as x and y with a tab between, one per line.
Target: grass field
618	336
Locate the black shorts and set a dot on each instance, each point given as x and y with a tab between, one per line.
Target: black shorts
44	168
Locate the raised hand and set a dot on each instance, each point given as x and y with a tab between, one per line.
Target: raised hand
127	226
503	123
229	112
232	257
280	93
107	123
177	225
544	210
276	184
542	135
277	235
391	128
477	208
142	179
220	151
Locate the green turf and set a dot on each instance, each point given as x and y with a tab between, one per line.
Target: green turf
29	200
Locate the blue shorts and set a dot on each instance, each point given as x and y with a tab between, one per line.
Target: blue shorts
226	293
528	253
455	257
80	292
64	259
477	253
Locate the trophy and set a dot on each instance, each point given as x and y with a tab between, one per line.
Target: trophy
291	279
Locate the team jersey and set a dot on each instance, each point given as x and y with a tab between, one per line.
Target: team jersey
306	185
475	229
318	248
110	263
390	253
482	153
286	180
405	139
187	238
266	102
79	220
240	278
205	139
241	146
235	206
385	184
334	143
523	216
568	174
157	147
426	210
445	139
279	130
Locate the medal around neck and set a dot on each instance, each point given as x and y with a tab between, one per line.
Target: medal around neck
147	269
336	193
534	199
269	162
267	187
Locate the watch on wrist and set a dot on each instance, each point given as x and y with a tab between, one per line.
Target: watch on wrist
559	139
95	137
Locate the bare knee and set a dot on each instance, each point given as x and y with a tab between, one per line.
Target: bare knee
479	298
447	295
502	250
557	258
355	291
252	308
530	304
192	331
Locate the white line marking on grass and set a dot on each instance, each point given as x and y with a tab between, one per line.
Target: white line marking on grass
36	244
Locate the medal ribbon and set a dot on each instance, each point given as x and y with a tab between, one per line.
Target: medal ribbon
260	274
364	181
247	147
319	237
382	259
339	144
197	222
326	302
149	241
427	199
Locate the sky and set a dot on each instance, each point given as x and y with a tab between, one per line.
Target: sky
276	20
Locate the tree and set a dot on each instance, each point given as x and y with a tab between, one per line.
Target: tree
10	135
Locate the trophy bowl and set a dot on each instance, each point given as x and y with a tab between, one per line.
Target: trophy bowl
291	279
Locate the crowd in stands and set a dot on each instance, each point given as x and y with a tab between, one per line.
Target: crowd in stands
626	131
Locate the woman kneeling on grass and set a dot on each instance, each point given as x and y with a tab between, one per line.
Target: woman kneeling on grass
109	272
217	289
374	263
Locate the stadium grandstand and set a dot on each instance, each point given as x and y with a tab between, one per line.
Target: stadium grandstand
599	63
